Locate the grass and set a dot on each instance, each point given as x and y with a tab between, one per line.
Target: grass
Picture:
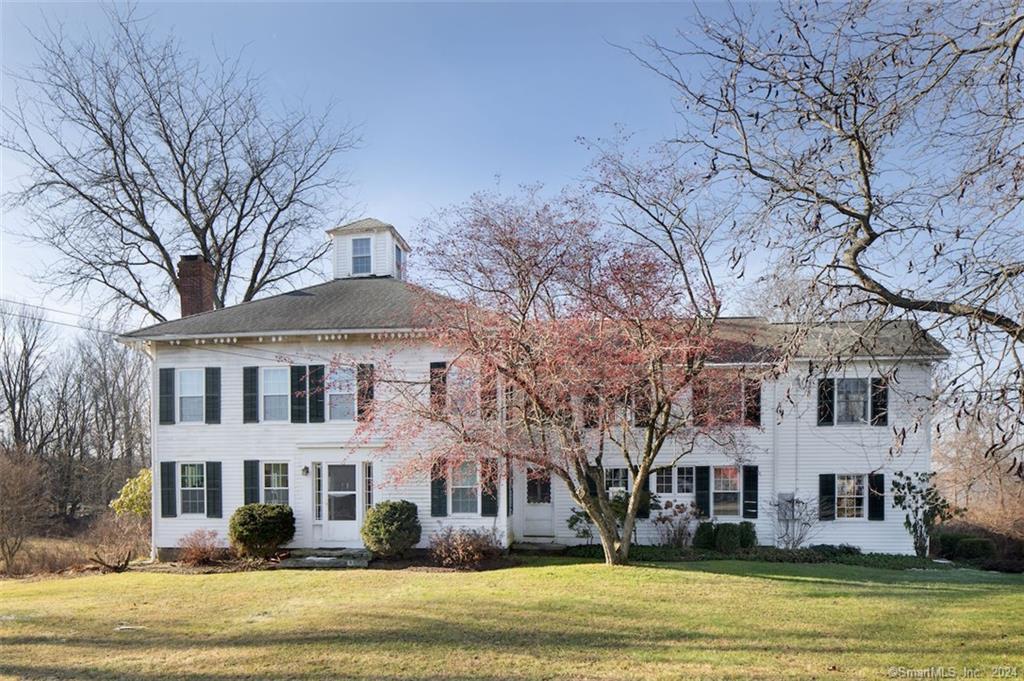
549	618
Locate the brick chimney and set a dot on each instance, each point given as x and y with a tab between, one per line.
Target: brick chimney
195	284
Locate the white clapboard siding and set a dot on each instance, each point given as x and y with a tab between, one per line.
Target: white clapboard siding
790	450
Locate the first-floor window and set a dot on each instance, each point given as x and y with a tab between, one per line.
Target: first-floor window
727	490
190	395
849	496
275	483
193	488
684	480
318	492
464	488
663	481
616	478
275	394
368	477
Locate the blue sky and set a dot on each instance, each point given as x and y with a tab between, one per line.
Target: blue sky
449	98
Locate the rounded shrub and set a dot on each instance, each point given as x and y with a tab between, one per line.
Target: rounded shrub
727	538
258	530
391	528
975	549
748	535
704	537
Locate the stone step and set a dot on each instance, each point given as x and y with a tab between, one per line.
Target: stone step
322	563
361	554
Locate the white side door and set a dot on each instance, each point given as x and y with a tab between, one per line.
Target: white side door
341	502
540	520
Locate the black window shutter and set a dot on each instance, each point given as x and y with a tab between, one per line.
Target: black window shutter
752	402
168	489
826	401
214	508
251	471
299	391
750	491
699	405
876	496
826	496
591	483
166	396
250	395
644	510
879	402
509	496
316	393
489	488
438	492
438	385
702	490
212	401
364	389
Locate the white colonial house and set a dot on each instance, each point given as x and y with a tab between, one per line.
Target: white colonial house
234	424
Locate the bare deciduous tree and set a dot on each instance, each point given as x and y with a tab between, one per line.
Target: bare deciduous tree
138	153
879	151
22	502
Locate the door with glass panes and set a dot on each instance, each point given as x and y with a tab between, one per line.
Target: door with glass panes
346	492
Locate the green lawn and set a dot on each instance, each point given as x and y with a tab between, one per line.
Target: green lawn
546	619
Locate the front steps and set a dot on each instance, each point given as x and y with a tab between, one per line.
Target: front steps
324	559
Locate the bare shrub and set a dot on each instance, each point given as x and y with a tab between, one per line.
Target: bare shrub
675	524
22	503
796	520
464	548
113	541
201	547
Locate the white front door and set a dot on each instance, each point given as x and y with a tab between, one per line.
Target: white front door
540	521
341	501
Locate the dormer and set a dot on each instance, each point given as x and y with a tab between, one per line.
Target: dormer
368	248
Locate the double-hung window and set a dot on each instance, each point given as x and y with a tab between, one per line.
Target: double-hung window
849	496
275	483
193	488
616	478
276	397
362	261
663	481
190	396
465	488
684	480
726	491
341	394
851	400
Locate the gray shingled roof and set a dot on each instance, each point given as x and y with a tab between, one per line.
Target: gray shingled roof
384	303
342	304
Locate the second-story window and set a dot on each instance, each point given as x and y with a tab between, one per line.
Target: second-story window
190	396
851	400
341	394
275	394
361	258
616	478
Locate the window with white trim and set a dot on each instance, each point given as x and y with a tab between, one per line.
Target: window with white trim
852	400
193	488
190	395
616	478
275	483
663	481
318	491
850	496
368	482
276	394
684	480
362	260
465	488
726	497
399	262
341	394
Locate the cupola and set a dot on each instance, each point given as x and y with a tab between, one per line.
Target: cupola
368	248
